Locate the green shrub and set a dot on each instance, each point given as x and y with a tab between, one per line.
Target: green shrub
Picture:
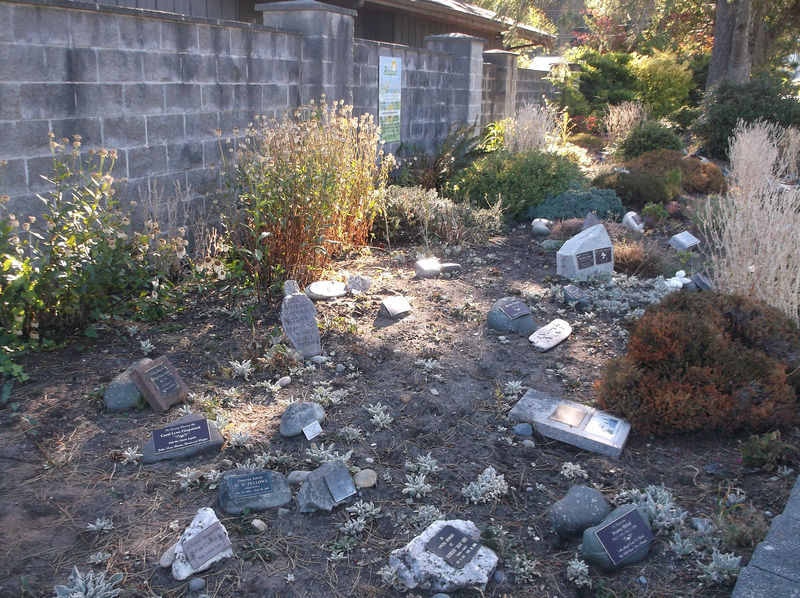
655	212
603	79
647	137
576	203
523	180
303	190
636	188
701	362
767	450
663	83
726	104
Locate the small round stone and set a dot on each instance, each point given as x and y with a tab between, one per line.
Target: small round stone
197	584
405	398
285	381
259	525
366	478
528	444
434	392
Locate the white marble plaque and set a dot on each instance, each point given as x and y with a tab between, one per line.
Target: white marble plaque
549	336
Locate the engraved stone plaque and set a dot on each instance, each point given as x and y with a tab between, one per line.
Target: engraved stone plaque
585	260
312	430
571	416
602	255
684	241
549	336
206	545
624	536
573	293
160	384
251	484
340	483
636	218
299	319
394	307
514	308
179	436
453	546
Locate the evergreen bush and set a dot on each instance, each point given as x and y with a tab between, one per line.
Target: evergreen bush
636	188
647	137
576	203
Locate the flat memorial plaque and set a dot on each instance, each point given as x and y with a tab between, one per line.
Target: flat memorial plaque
514	308
550	335
206	545
453	546
160	384
683	241
602	255
603	426
624	536
178	436
573	293
312	430
340	483
571	416
585	260
251	484
394	306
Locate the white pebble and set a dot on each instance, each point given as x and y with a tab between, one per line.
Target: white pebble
434	392
285	381
259	525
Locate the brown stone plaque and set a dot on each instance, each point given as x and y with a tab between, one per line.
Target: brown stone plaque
585	260
160	384
571	416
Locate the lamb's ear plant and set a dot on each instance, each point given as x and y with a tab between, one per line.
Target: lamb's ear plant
89	585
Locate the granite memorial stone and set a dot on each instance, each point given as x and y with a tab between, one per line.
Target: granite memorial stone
547	337
299	319
203	543
325	289
633	222
121	394
315	493
159	384
427	268
511	315
252	488
298	415
588	253
684	241
622	538
187	436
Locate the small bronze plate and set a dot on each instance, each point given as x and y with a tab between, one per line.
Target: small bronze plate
571	416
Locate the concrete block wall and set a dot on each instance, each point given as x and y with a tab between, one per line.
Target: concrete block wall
467	84
533	87
426	91
499	86
152	86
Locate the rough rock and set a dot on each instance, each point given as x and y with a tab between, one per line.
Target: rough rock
581	508
197	584
366	478
314	494
420	568
234	503
297	477
592	550
427	268
539	230
168	557
298	415
181	568
121	394
499	321
523	429
451	268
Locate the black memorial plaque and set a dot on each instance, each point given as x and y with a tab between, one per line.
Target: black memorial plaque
602	256
514	308
251	484
637	219
206	545
573	293
160	384
624	536
340	484
453	546
163	380
585	260
178	436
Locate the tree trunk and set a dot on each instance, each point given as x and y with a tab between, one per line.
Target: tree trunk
730	56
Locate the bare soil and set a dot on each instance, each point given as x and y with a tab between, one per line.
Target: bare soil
59	451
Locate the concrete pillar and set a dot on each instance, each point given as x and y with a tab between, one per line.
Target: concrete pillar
326	65
467	78
504	94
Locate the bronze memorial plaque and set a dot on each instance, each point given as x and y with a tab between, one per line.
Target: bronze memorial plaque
571	416
160	384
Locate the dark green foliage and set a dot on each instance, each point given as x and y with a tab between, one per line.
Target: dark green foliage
703	362
523	180
727	103
767	450
603	79
647	137
576	203
636	188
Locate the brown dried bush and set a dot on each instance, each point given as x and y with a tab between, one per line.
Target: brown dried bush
632	257
697	176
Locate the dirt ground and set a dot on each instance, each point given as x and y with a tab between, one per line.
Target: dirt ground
60	466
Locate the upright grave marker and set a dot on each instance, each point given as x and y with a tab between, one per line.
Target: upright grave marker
159	383
299	319
588	253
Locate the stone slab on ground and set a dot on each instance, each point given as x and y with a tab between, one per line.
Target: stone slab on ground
395	306
427	268
547	337
573	423
418	567
182	568
325	289
779	555
588	253
755	583
121	394
252	488
214	443
684	241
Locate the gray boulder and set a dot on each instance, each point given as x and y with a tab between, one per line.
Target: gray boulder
499	321
592	550
580	509
121	394
298	415
254	489
314	494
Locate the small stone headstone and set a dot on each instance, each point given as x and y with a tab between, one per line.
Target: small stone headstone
580	509
395	306
702	281
588	253
315	493
573	423
187	436
551	335
427	561
325	289
511	314
633	222
573	293
357	285
623	538
590	221
252	488
427	268
203	543
299	415
684	241
121	394
159	384
299	319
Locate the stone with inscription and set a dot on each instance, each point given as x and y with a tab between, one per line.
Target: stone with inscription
201	545
633	222
426	563
576	297
427	268
252	488
395	306
315	493
573	423
325	289
299	319
159	384
588	253
581	508
511	315
684	241
121	393
187	436
298	415
290	287
622	538
547	337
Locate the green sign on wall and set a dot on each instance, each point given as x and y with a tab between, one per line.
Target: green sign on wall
389	89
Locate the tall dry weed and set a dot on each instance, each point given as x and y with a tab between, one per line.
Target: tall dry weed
620	119
752	229
533	129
